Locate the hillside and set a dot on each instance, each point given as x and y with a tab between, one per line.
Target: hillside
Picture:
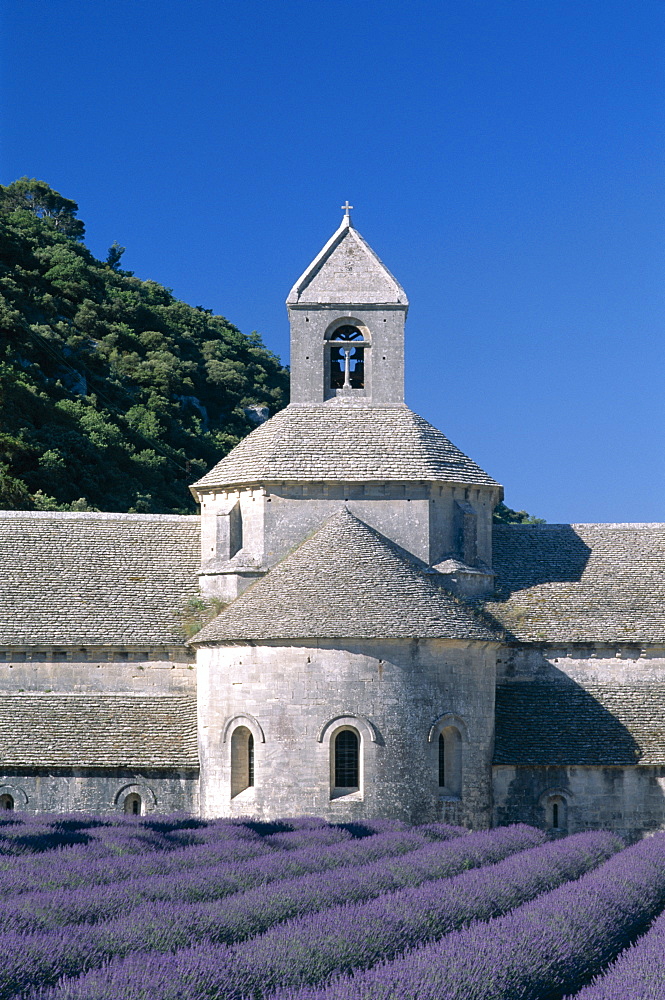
114	395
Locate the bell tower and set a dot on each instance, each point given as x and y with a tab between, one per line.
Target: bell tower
347	315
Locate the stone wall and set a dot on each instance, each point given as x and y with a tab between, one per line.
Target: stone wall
419	517
615	695
628	800
93	790
607	663
294	697
384	357
97	670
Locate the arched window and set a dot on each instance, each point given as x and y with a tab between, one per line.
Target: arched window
132	804
347	761
347	358
450	761
242	760
6	802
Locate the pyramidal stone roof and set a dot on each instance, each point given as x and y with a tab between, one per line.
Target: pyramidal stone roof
347	444
580	582
346	581
347	271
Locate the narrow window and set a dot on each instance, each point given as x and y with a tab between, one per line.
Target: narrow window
132	804
6	802
347	760
250	760
557	814
242	760
450	761
466	530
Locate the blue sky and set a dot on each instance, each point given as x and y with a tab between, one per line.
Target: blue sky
504	157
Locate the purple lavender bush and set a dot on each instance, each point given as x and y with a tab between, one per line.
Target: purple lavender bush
74	867
223	841
637	974
312	948
253	912
248	914
540	951
30	912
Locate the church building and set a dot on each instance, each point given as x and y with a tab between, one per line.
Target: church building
381	648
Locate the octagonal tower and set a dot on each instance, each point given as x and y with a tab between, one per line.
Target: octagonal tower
347	467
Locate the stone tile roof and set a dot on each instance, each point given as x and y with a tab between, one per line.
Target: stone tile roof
345	581
347	271
98	730
345	443
580	582
563	723
95	579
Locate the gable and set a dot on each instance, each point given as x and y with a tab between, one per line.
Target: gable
347	271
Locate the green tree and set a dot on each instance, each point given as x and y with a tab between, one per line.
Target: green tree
114	255
114	395
506	515
37	197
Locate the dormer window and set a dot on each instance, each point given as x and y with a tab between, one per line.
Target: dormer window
347	358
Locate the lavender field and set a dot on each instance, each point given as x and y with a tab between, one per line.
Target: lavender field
159	908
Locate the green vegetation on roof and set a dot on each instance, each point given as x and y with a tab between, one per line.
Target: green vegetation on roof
114	395
506	515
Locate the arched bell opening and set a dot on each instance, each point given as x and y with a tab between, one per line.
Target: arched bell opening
7	802
346	358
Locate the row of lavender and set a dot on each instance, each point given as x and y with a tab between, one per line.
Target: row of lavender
301	910
540	951
37	958
369	867
102	837
638	973
242	862
313	948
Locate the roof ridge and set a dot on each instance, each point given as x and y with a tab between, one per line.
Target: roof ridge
151	695
586	524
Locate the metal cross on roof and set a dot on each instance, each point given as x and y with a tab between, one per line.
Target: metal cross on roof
346	208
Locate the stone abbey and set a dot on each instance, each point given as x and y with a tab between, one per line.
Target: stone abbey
383	649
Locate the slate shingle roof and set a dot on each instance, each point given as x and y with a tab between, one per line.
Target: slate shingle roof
345	581
98	730
348	444
95	579
563	723
580	582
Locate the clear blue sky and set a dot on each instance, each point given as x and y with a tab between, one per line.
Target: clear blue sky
504	157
